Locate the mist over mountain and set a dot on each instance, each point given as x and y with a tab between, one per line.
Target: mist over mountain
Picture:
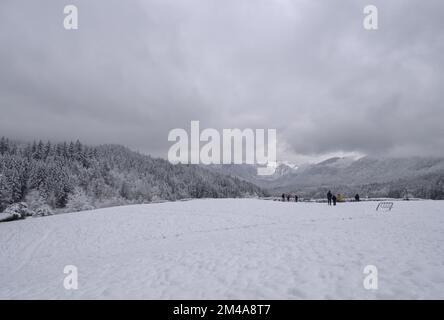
370	176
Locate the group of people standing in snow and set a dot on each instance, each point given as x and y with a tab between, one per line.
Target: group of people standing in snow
288	197
332	199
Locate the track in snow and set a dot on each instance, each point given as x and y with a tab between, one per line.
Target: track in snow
228	248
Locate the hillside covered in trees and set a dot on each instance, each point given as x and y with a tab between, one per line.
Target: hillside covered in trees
73	177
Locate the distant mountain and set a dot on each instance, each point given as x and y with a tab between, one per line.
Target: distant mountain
369	176
283	169
249	172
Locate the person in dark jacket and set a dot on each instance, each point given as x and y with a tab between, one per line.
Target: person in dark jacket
296	198
329	196
288	197
334	200
356	197
283	197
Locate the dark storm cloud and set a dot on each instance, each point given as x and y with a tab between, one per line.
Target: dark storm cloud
136	69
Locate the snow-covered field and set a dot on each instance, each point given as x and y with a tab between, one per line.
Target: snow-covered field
235	249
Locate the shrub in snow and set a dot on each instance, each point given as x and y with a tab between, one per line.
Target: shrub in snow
8	216
20	208
16	211
78	201
35	200
43	211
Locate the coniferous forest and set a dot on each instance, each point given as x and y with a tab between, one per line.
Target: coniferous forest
71	176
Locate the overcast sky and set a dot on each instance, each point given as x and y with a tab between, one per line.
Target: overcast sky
134	70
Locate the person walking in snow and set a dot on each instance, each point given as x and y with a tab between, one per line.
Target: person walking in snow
334	200
295	198
288	197
329	196
356	197
283	197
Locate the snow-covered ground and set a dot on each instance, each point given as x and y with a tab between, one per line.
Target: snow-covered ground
236	249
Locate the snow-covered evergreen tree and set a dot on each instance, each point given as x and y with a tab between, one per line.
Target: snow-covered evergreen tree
78	201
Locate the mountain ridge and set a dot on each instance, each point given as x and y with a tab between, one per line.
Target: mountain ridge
372	176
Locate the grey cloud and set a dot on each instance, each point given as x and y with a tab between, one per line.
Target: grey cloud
136	69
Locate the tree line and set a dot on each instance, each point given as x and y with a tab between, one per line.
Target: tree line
72	176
